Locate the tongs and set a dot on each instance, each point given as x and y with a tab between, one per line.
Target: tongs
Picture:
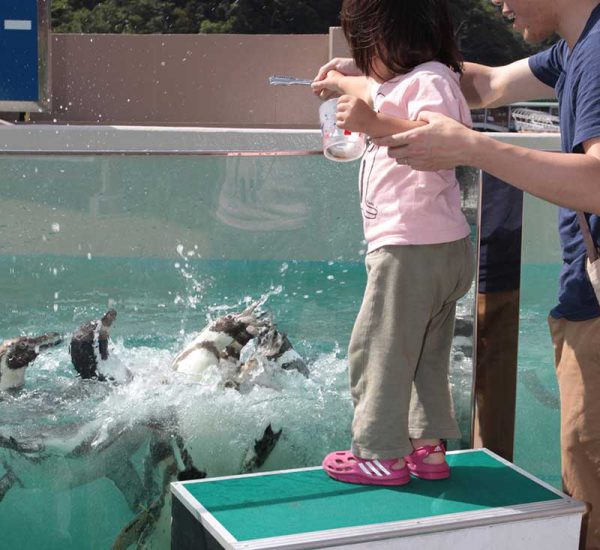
288	81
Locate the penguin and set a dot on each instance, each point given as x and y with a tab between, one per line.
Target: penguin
236	343
89	347
18	353
220	343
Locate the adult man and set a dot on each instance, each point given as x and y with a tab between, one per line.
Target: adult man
571	179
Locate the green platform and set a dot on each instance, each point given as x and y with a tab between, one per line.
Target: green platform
299	501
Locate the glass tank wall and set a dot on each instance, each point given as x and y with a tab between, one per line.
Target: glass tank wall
537	434
173	243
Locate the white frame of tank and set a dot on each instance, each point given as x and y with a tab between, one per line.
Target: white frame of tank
48	139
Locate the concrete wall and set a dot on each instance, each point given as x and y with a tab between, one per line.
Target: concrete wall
185	80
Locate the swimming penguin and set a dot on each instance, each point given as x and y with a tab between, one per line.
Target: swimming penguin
219	344
237	344
68	456
16	355
89	348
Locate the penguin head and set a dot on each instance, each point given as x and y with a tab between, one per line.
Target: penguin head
109	318
234	327
25	349
272	343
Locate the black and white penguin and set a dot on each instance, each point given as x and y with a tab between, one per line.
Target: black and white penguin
219	343
89	346
236	343
16	355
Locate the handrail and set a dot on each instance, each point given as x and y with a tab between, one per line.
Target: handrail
165	153
44	140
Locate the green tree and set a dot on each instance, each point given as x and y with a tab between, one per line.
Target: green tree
484	36
285	16
482	33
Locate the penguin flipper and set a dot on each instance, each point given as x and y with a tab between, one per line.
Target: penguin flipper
142	525
7	481
258	454
127	480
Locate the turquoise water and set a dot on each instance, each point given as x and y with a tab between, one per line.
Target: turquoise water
161	304
87	233
537	437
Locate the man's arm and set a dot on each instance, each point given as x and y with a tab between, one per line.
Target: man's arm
569	180
494	86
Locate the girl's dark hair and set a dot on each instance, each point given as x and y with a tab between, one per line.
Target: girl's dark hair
402	33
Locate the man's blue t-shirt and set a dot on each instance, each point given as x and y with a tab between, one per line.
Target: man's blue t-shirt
575	75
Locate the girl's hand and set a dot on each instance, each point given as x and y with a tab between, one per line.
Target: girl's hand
343	65
329	86
354	114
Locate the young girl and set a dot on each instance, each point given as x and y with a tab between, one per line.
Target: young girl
419	259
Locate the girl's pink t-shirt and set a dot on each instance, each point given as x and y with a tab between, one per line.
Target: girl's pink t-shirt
401	206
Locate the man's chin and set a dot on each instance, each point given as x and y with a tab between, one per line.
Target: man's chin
534	38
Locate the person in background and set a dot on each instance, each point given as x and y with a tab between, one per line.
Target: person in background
420	259
569	70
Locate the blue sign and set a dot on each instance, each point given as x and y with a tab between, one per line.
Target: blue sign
19	71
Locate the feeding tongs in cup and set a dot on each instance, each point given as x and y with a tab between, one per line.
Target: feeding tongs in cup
288	81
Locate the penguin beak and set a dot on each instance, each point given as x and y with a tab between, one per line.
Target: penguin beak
45	341
109	317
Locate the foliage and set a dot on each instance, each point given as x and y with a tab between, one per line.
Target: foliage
482	34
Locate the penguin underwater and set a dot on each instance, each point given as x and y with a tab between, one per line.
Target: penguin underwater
18	353
241	345
238	345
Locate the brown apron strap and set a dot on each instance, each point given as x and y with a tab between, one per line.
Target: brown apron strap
590	246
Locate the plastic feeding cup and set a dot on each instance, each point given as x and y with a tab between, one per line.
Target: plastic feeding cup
339	145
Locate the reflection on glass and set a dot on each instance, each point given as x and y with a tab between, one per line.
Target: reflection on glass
497	315
172	243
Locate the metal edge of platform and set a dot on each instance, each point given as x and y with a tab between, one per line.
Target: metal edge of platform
390	530
352	535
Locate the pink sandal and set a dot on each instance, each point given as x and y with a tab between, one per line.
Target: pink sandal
344	466
418	468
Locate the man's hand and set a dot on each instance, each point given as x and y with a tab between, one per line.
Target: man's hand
354	114
442	144
343	65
